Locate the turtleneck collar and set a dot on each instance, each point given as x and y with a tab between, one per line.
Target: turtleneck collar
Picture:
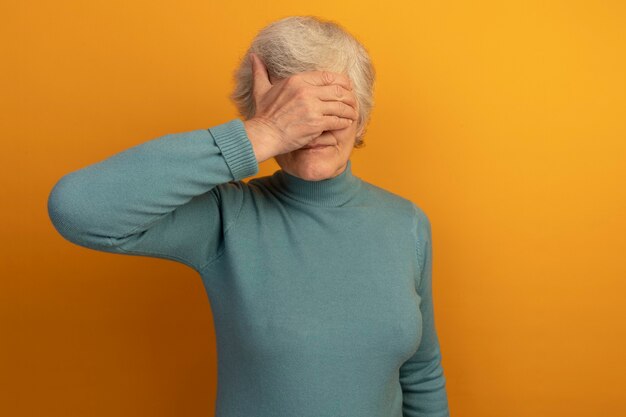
329	192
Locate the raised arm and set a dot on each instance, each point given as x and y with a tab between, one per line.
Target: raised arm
421	376
159	198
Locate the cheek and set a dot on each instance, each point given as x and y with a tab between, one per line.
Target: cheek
346	135
348	138
343	137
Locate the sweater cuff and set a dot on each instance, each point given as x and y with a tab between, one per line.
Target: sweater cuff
232	140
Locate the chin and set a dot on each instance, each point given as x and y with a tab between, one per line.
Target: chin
312	170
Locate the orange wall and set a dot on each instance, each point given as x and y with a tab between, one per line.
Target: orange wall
503	120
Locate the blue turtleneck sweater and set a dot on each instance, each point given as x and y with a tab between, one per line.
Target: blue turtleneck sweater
321	291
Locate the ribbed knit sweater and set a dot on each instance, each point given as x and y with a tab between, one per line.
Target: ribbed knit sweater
321	291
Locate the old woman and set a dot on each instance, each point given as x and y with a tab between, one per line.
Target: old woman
320	283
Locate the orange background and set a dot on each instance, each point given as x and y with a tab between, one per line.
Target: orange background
503	120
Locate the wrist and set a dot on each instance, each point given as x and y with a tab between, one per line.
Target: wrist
260	137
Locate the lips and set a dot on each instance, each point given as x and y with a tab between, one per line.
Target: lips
315	146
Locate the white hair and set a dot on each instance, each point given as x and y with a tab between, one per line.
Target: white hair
297	44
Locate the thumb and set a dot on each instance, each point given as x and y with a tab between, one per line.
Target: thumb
260	79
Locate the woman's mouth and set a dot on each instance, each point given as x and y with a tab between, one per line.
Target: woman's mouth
310	148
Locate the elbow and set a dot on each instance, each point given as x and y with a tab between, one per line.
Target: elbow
63	209
69	214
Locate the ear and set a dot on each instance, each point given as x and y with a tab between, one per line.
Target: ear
260	79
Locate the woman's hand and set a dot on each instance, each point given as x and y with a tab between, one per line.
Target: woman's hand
293	111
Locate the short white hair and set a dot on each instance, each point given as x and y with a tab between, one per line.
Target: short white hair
296	44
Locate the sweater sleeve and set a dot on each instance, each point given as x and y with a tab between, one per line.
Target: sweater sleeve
421	376
159	198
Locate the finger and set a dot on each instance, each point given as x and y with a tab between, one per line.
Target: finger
335	123
260	78
339	109
327	78
336	92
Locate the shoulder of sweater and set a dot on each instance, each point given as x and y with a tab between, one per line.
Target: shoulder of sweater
389	198
369	191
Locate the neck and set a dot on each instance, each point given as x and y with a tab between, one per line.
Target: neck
329	192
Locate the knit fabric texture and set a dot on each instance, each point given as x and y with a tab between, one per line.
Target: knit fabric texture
321	291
